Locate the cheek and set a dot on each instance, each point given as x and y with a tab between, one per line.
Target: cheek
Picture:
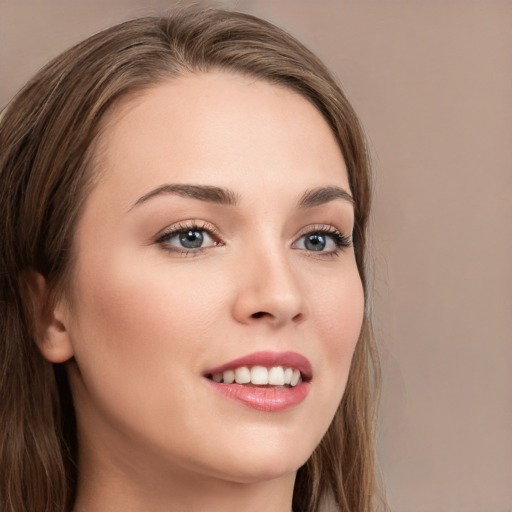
139	336
338	316
146	318
135	309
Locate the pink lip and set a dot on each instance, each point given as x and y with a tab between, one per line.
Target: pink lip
266	399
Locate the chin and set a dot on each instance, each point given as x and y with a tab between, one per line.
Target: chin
265	463
263	471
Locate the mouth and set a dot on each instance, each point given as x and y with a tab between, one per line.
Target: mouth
260	376
266	381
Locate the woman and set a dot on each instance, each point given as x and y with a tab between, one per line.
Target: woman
184	204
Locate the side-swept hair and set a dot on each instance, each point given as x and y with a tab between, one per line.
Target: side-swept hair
47	137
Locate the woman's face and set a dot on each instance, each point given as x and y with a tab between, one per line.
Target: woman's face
215	243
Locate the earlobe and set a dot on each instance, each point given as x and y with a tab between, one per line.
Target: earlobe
47	318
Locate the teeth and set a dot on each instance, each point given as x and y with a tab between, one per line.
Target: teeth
288	375
228	377
242	375
276	376
295	378
260	376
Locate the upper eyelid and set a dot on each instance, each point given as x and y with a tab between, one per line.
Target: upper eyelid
202	225
326	228
163	239
184	225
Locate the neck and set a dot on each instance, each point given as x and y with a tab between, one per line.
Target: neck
107	485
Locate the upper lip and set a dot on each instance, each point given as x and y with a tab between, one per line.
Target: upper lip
268	359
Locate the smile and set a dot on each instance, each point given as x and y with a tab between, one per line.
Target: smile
260	376
265	381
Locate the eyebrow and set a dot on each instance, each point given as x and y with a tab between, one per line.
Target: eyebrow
322	195
218	195
206	193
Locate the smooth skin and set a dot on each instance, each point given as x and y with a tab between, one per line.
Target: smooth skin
148	316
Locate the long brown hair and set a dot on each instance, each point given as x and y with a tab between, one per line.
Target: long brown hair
47	136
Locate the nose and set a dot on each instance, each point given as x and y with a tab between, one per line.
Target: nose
268	291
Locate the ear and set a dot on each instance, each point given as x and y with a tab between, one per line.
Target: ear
48	319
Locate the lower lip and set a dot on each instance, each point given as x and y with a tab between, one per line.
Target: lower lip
264	399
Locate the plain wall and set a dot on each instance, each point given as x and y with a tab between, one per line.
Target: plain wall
432	82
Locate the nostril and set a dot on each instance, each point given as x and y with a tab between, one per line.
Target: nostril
298	318
259	314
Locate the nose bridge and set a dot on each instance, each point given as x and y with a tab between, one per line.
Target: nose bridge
269	289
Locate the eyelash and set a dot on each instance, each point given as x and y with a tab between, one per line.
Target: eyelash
340	240
205	227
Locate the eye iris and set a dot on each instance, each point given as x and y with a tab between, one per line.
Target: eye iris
315	242
191	239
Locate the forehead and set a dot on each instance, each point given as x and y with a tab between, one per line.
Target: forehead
218	127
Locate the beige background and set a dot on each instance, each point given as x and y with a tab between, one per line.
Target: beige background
432	82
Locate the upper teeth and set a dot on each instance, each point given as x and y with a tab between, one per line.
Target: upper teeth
259	375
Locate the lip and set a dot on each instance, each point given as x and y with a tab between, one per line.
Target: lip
273	399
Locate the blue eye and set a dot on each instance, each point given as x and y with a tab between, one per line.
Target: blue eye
187	239
315	242
192	239
324	240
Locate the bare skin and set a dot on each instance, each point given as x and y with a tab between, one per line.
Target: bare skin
151	317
